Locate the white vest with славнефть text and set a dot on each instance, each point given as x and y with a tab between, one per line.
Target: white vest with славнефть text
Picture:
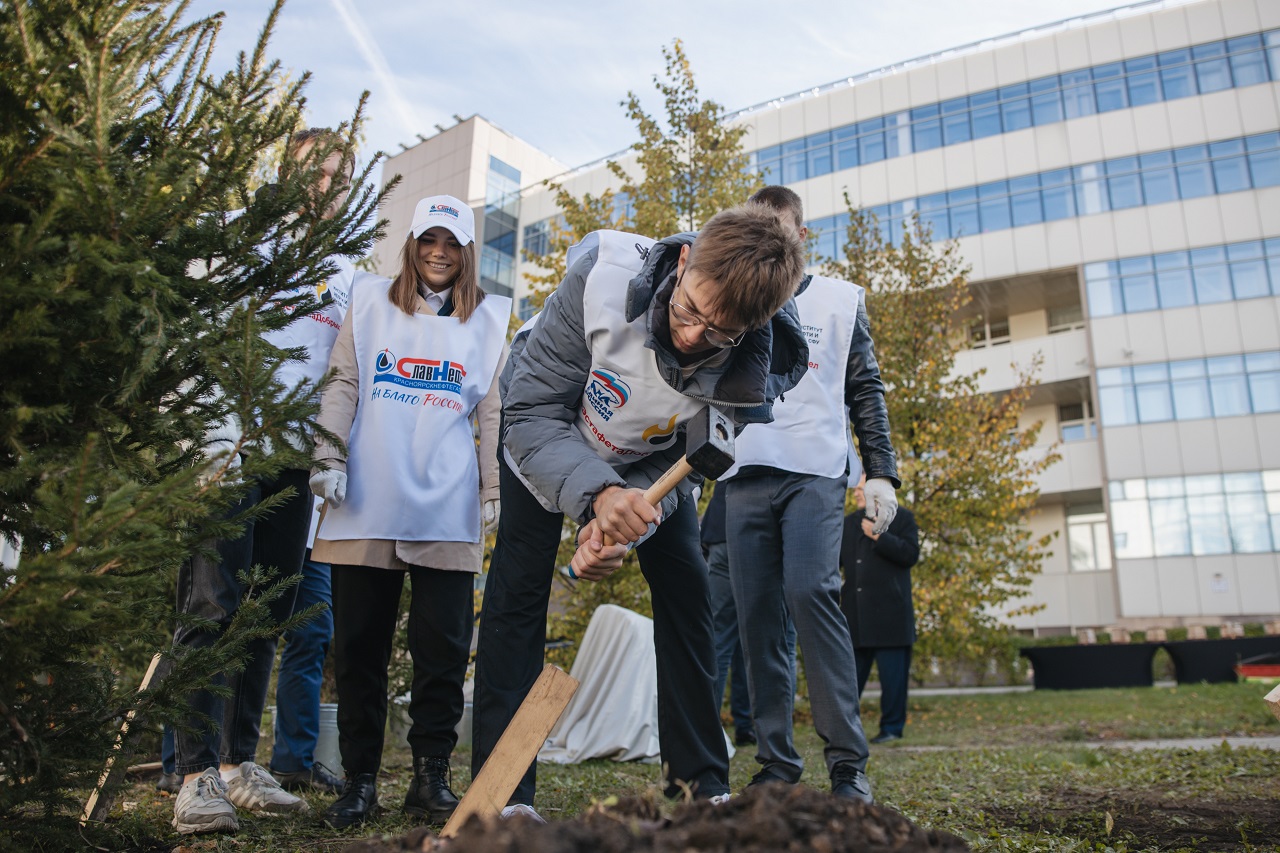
810	429
412	474
317	331
628	409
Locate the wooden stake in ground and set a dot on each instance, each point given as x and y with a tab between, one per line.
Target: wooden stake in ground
516	749
97	806
1273	700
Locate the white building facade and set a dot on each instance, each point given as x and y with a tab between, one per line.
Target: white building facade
1114	182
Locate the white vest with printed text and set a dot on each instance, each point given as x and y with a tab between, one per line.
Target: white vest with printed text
317	331
810	429
412	473
628	410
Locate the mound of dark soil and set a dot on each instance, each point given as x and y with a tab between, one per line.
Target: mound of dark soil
765	818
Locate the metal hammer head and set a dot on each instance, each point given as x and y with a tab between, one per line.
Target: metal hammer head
709	443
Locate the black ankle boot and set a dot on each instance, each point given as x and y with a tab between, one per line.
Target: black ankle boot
429	795
359	802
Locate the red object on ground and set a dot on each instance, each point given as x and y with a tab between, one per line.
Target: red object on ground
1258	670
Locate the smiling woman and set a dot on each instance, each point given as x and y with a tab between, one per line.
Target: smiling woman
417	357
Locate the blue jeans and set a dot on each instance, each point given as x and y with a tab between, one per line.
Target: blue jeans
301	671
724	617
226	730
168	764
784	534
895	667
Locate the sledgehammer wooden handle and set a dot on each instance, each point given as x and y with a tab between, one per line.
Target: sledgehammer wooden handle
659	490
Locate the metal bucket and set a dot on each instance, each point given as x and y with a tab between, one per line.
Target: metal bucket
327	743
399	723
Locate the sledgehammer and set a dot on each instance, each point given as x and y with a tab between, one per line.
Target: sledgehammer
708	450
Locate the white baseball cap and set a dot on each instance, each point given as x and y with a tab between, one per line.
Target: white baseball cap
444	211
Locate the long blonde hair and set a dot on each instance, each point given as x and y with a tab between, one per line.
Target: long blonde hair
467	294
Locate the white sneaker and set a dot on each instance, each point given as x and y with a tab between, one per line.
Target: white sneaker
202	805
255	789
523	811
719	799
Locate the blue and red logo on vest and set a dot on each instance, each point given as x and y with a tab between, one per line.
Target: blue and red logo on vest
606	392
426	374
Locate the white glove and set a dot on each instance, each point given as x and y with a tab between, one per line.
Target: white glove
330	485
492	510
222	457
882	503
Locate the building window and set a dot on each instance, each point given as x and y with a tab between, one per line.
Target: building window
989	332
501	224
1076	421
1228	166
537	238
1218	387
1089	545
1205	68
1234	513
1065	318
525	311
1178	279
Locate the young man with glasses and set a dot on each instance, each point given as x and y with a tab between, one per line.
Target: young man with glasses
639	337
784	521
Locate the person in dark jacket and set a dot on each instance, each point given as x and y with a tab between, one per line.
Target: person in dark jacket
637	339
876	600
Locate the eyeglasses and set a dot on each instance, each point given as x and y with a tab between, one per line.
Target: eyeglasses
712	335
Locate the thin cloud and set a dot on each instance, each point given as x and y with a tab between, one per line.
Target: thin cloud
377	62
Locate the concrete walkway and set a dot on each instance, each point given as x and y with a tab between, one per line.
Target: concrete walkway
1266	742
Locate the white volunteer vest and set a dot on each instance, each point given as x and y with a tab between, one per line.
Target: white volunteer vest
412	474
317	331
628	410
810	429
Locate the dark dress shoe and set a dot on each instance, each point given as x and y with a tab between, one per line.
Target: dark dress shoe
744	737
318	778
429	795
358	803
886	737
768	776
850	783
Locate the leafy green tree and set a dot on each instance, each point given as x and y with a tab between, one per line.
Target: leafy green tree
133	305
692	167
969	471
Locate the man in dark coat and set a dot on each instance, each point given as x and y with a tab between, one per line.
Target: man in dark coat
876	599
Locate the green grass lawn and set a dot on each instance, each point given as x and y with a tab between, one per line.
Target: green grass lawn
1008	772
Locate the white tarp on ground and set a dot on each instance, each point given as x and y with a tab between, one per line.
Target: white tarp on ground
614	714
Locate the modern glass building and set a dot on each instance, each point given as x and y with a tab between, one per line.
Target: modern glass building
1114	181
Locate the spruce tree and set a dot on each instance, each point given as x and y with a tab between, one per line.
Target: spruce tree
134	299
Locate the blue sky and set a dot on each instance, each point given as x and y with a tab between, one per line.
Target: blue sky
553	72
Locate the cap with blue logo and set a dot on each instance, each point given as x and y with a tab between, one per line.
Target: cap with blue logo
444	211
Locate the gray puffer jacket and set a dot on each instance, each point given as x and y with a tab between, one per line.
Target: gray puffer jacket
550	364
